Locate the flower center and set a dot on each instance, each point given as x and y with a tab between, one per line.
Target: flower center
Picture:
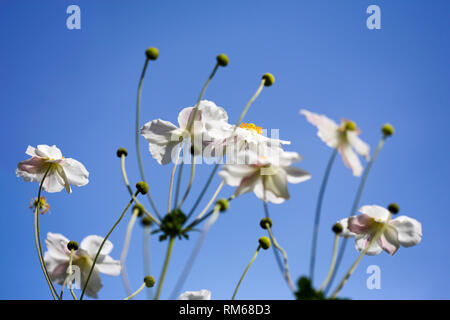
251	127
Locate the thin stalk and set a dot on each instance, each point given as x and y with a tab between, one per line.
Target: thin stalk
253	98
202	193
103	243
138	149
69	278
37	239
146	255
355	206
191	180
208	205
275	252
172	176
166	264
317	216
206	216
245	272
124	254
332	264
131	296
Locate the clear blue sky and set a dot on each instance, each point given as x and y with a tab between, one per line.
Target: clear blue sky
77	89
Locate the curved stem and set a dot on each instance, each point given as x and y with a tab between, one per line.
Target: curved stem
171	180
191	180
245	272
103	243
332	264
249	103
138	149
216	193
202	193
37	238
69	278
164	270
123	255
131	296
355	206
146	255
317	216
287	274
275	252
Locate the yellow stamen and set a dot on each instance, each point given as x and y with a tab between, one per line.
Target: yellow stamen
251	127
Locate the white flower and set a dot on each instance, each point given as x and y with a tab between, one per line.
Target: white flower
344	138
196	295
63	172
403	230
57	261
164	136
266	176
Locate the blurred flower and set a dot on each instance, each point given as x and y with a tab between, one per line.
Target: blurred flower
62	172
43	205
164	136
403	230
57	261
267	176
344	138
196	295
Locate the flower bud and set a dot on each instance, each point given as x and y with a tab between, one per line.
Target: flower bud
142	187
223	204
393	208
270	79
388	130
337	228
122	151
152	53
264	242
264	221
350	126
140	209
149	281
222	60
72	245
146	221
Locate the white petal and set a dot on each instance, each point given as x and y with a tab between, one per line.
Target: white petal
388	241
92	243
361	242
268	195
296	175
277	184
31	151
380	214
350	158
360	146
212	112
409	230
346	233
108	265
53	182
196	295
76	173
46	151
95	283
328	129
57	251
232	174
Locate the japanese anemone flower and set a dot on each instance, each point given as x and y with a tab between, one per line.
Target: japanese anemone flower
342	137
163	136
374	220
196	295
62	172
267	176
57	261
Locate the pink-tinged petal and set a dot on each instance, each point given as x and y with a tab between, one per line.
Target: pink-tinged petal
360	224
360	146
362	241
296	175
346	233
59	273
350	159
378	213
388	241
185	115
409	230
328	129
33	165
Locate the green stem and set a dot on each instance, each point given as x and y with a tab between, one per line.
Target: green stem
202	193
164	270
275	252
126	245
172	176
245	272
103	243
69	278
131	296
355	206
146	248
317	216
138	149
332	264
258	91
37	238
191	180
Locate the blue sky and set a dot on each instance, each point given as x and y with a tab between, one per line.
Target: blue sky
77	89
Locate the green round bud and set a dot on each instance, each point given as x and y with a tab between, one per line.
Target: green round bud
388	130
72	245
223	204
264	242
152	53
149	281
142	187
393	208
350	126
222	60
122	151
337	228
146	221
264	222
140	209
270	79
